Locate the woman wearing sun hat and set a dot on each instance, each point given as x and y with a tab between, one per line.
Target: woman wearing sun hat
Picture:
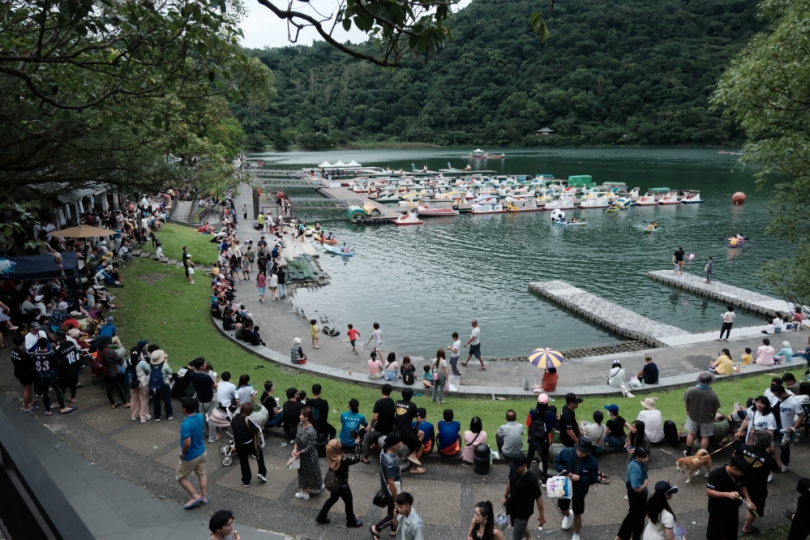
653	420
661	525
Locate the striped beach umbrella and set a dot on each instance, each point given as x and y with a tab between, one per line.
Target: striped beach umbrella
546	358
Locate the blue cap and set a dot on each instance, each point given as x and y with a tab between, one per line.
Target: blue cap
612	408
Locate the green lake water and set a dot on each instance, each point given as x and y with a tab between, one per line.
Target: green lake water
422	283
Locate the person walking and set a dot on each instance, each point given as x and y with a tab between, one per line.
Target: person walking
583	470
475	346
309	471
661	525
789	418
244	212
192	454
261	282
636	485
568	425
406	520
761	458
205	388
24	371
188	266
390	482
273	284
709	268
455	349
482	525
728	321
282	283
339	487
702	404
114	377
520	497
440	376
727	492
245	434
541	435
376	335
382	420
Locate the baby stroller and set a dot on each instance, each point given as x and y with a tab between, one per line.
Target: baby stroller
259	417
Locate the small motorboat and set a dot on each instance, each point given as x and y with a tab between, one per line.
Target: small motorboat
410	218
734	243
691	196
337	251
487	204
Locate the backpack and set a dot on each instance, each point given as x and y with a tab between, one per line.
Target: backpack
671	433
156	380
130	373
97	367
537	431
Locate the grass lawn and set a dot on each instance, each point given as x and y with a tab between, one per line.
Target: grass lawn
160	305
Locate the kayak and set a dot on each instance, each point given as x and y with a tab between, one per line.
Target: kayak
336	251
323	240
653	230
610	210
569	223
738	244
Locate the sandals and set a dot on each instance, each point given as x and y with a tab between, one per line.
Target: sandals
417	470
116	405
374	535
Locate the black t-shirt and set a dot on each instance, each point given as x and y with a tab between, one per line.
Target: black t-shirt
203	386
679	256
68	358
523	492
185	259
320	410
719	480
407	374
568	420
290	413
650	373
386	410
269	403
406	414
616	427
242	430
23	364
46	364
762	464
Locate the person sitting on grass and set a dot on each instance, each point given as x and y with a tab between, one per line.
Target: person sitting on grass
447	443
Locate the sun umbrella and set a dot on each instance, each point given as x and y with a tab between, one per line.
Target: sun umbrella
546	358
82	231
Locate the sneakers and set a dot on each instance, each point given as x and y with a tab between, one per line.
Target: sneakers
191	282
567	521
148	417
262	478
770	477
215	440
574	536
170	417
785	468
302	496
244	485
628	395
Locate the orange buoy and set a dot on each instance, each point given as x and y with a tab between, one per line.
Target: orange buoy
738	198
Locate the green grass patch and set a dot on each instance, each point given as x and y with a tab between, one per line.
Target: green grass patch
160	305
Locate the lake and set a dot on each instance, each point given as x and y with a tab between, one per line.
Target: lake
422	283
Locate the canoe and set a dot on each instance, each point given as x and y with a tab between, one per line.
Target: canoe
738	244
610	210
331	242
336	251
652	230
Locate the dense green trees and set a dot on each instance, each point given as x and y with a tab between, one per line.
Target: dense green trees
767	90
634	72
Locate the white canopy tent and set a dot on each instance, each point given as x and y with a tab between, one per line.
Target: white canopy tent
324	165
339	164
353	163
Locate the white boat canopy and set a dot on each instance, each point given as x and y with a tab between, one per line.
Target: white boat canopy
339	164
353	163
324	165
478	150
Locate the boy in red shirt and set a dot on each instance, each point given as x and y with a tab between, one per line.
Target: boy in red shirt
353	335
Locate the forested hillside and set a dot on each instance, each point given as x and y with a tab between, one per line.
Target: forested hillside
626	72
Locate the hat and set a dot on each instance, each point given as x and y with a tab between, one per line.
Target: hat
73	332
542	398
143	343
38	298
297	340
705	378
392	440
584	445
648	403
353	403
157	357
572	398
668	489
612	408
34	326
61	305
803	486
520	460
75	313
110	319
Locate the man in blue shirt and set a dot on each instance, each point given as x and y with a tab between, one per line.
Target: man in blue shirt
583	470
636	484
192	454
649	373
447	443
109	330
426	431
351	420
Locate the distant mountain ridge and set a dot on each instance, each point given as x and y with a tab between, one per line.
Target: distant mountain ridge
630	72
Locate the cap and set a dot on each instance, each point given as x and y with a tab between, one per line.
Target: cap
584	445
706	378
572	398
143	343
38	298
668	489
520	460
110	319
542	398
353	403
297	340
612	408
34	326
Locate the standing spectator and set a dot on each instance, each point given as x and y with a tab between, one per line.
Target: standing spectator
114	377
139	397
509	437
291	413
475	345
440	376
221	526
339	465
245	431
192	454
637	438
390	480
376	335
204	387
404	420
320	410
160	389
759	417
23	370
46	366
309	472
789	418
188	266
472	438
653	420
282	283
709	268
800	519
583	470
661	525
649	373
540	437
636	484
568	426
313	332
762	462
382	420
482	526
447	442
677	258
351	421
455	349
726	491
226	390
701	407
522	494
68	365
261	281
